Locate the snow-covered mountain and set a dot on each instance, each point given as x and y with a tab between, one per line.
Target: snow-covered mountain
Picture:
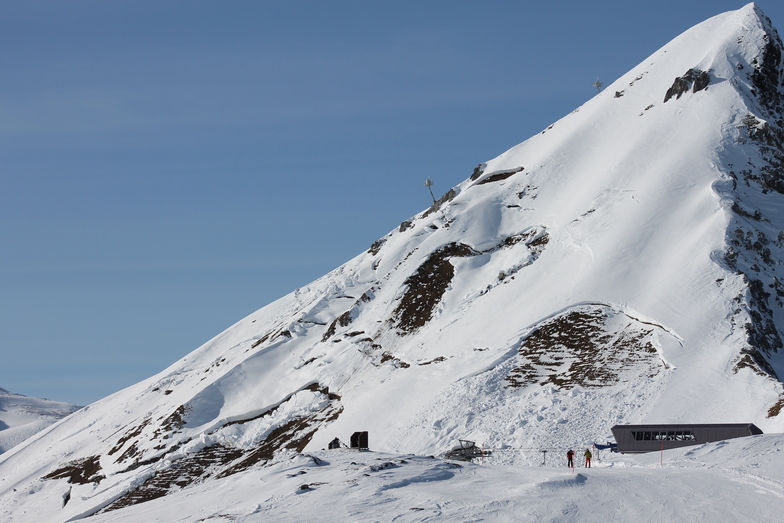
625	265
22	416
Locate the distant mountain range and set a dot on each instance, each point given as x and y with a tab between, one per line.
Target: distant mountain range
21	417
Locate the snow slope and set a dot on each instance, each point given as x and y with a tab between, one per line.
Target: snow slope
22	416
623	266
738	480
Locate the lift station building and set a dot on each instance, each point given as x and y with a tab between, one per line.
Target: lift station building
637	439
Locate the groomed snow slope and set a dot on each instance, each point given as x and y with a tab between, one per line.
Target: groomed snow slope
622	266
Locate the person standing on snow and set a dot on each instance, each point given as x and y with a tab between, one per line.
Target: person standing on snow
570	458
588	457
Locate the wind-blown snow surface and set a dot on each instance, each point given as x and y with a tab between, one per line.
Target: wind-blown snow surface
739	480
623	266
22	416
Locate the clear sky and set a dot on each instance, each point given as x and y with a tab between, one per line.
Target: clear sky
168	167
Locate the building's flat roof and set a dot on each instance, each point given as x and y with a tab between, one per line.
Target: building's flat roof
680	426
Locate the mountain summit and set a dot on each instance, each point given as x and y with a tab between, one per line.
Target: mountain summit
622	266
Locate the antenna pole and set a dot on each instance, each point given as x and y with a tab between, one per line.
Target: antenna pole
429	185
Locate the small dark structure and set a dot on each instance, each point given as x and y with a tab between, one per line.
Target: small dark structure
335	444
637	439
359	440
465	451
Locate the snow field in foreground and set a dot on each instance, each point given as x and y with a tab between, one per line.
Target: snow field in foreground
736	480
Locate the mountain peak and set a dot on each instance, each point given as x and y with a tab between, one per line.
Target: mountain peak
625	265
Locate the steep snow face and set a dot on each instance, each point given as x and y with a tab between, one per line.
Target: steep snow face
21	417
621	266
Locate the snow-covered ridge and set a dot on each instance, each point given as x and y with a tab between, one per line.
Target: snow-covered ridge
21	417
622	266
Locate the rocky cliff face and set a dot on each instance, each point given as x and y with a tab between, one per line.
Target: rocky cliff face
624	265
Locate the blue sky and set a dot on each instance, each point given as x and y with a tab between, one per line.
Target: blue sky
168	167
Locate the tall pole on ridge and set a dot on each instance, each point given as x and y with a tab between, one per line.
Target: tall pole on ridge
429	185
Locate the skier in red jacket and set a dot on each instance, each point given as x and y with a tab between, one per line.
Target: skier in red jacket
570	458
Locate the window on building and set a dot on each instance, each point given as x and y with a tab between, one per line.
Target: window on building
663	435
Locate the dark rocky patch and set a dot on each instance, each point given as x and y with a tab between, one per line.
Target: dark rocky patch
385	357
750	358
762	332
767	76
129	435
404	226
178	475
770	141
501	175
618	94
775	410
260	340
271	335
694	79
345	319
376	247
737	209
447	197
576	348
330	331
426	287
175	421
383	466
478	171
215	364
538	244
528	190
310	322
130	452
80	471
436	360
701	81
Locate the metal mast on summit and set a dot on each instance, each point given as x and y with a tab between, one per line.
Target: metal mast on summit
429	185
598	85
